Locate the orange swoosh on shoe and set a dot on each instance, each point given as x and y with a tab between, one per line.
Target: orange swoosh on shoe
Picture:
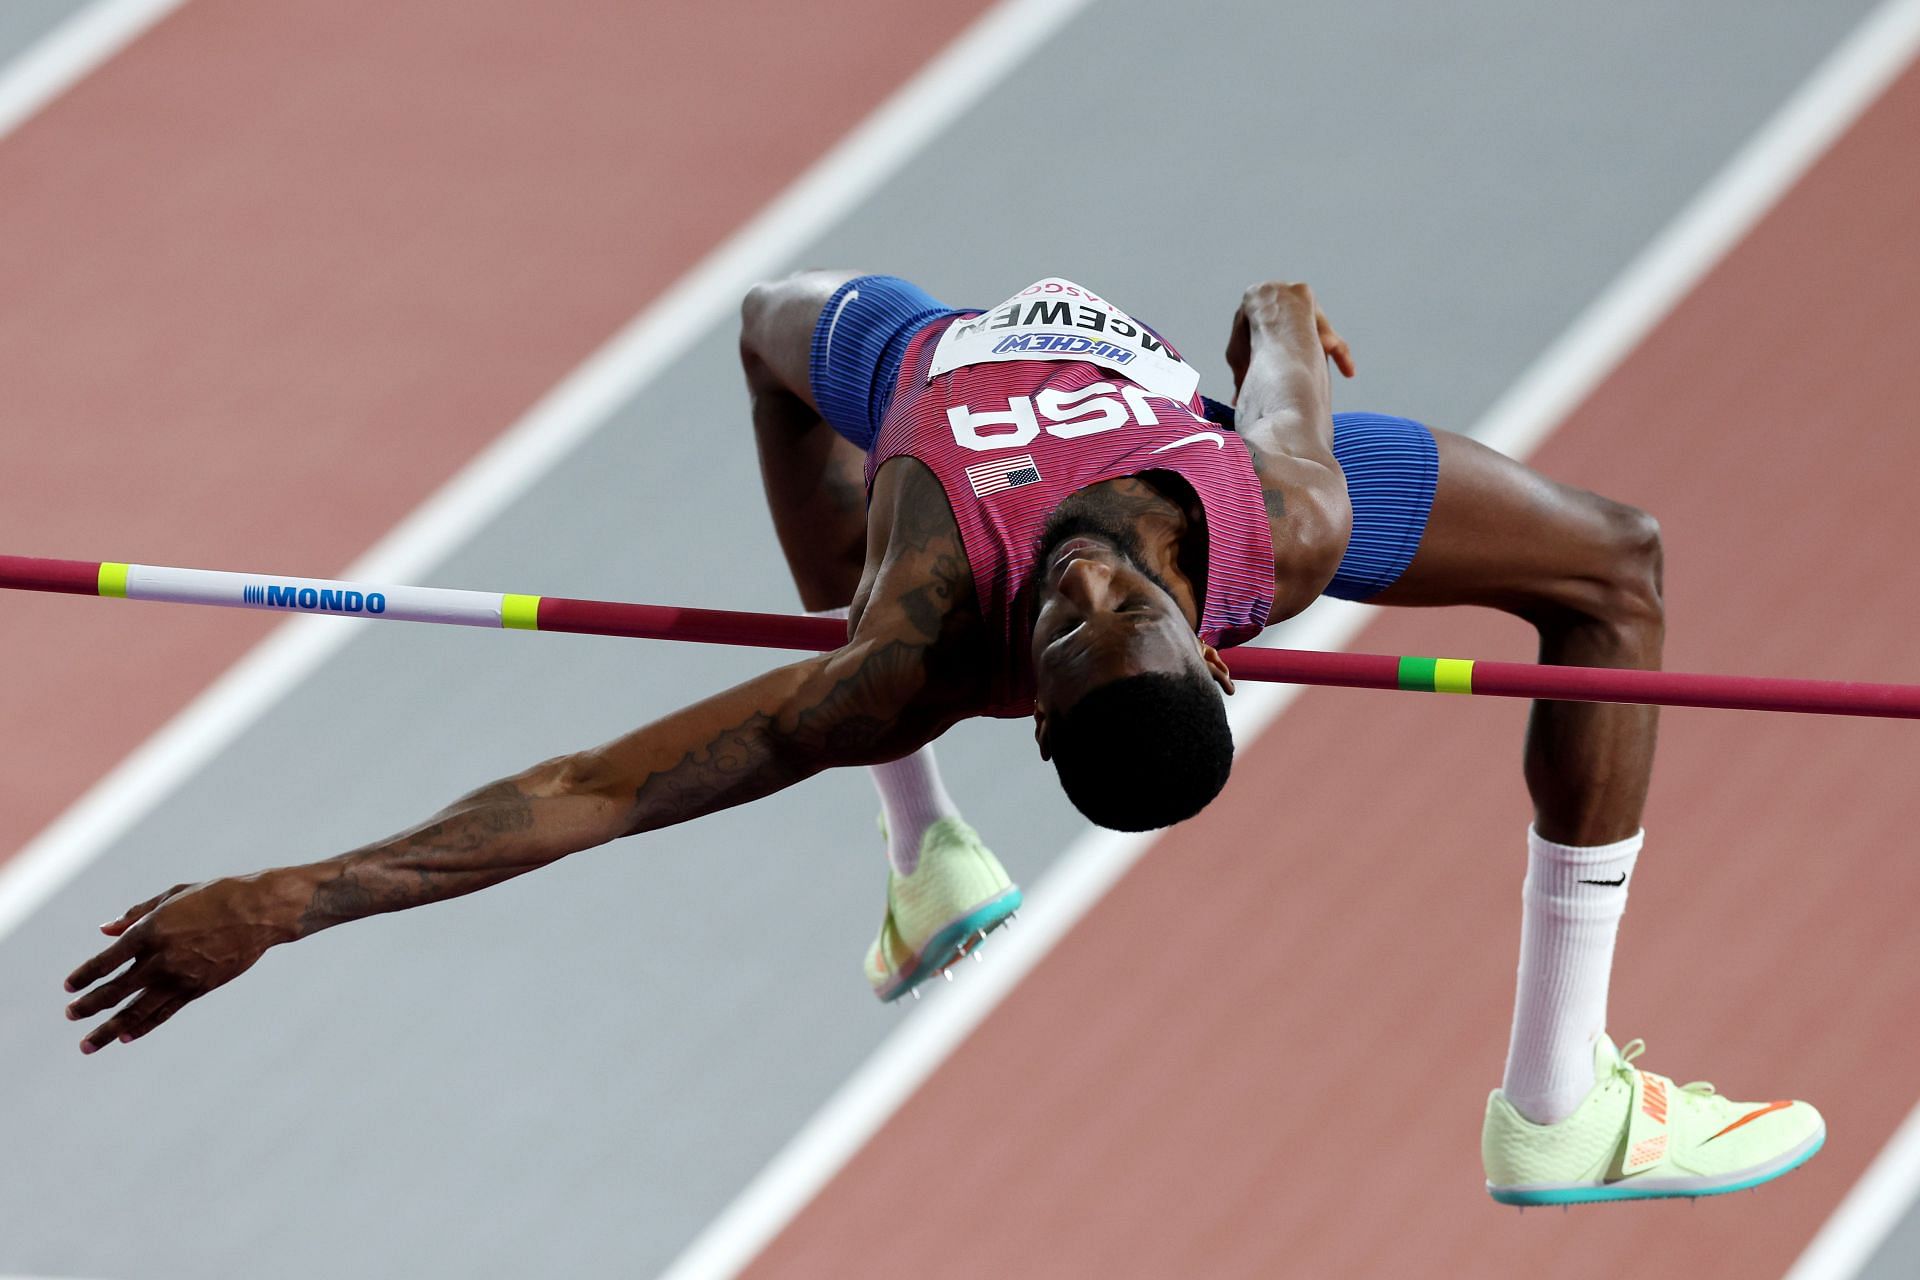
1753	1115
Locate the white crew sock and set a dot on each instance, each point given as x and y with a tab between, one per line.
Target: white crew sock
912	797
1568	920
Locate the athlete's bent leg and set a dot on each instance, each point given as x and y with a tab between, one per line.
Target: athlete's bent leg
812	475
1585	572
1572	1120
816	492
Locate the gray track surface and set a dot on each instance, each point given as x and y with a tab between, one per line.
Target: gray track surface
1898	1257
24	22
571	1074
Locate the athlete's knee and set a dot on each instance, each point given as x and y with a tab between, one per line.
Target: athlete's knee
776	325
766	313
1634	588
757	312
1608	561
777	311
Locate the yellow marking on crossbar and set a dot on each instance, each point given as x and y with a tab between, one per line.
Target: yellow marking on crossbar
113	580
522	613
1453	675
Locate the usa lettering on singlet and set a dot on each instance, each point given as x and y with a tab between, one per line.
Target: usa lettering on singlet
1014	408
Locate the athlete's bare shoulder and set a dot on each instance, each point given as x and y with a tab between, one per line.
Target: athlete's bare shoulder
918	584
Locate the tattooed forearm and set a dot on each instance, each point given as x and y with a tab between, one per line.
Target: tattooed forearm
479	840
844	707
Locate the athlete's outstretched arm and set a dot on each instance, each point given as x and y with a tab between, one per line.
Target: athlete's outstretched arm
1283	402
858	705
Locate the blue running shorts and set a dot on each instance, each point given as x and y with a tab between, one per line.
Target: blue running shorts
1392	467
858	345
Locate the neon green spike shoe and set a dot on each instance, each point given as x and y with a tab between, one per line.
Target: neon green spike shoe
1639	1137
957	895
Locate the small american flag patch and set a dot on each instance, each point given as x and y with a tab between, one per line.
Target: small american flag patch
1008	473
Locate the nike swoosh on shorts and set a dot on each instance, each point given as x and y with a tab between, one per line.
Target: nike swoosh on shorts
826	349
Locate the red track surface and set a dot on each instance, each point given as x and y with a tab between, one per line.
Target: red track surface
1267	1051
277	270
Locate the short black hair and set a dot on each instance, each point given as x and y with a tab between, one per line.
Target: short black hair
1144	751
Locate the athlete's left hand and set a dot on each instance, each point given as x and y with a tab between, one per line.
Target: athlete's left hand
1278	305
182	944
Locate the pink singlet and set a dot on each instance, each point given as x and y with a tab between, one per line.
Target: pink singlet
1005	409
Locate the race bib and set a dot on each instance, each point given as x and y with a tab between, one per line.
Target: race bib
1057	319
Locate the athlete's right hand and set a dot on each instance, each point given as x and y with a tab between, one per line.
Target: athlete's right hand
182	944
1284	310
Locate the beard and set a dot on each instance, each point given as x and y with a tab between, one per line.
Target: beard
1093	513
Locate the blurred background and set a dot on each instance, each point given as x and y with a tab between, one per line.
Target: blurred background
445	291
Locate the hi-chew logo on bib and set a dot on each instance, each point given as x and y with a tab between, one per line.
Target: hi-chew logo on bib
1055	319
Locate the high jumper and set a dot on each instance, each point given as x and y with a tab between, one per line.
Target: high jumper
1029	509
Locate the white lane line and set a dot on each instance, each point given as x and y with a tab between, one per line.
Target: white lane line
575	408
70	52
1871	1210
1824	106
1622	316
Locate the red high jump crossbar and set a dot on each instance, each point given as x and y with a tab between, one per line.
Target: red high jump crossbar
279	594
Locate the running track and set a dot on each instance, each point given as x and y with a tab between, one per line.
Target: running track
1338	951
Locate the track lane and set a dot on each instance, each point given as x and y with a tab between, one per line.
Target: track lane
1324	959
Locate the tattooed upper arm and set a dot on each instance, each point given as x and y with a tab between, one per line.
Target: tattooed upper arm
922	593
1311	519
1270	494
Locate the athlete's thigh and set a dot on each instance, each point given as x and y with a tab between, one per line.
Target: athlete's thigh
1502	534
778	321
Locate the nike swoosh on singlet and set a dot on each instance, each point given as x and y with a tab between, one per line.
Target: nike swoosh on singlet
826	348
1219	441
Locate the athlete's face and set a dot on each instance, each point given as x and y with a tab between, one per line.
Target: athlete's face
1102	616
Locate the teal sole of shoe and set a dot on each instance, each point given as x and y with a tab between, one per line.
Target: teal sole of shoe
1527	1198
945	946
